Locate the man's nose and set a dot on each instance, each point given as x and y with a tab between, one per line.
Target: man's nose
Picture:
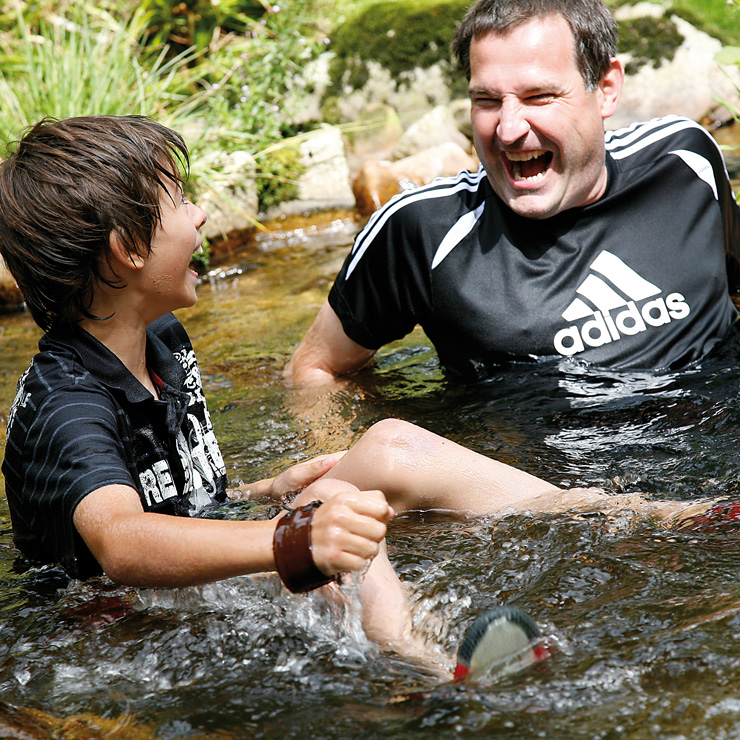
513	123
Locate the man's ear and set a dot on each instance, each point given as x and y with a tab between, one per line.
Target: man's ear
610	88
120	256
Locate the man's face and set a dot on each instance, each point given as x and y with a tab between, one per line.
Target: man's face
538	132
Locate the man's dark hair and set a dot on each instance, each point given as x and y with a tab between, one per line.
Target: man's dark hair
64	188
594	30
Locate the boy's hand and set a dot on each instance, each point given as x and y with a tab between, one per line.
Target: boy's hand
347	530
292	480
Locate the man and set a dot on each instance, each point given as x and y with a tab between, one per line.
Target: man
607	249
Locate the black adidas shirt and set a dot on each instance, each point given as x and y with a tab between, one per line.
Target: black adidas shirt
637	279
81	421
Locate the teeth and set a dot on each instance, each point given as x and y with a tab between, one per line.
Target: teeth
524	156
516	170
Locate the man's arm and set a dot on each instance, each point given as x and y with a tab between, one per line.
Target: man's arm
325	352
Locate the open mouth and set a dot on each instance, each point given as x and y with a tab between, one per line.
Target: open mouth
528	166
196	258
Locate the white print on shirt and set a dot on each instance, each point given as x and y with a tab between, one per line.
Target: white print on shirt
197	447
615	316
157	483
192	384
204	438
196	455
20	401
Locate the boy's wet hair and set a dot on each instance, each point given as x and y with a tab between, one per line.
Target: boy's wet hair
593	26
64	188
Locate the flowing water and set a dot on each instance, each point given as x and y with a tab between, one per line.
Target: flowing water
644	624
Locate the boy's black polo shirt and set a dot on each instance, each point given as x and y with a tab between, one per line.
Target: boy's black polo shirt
81	421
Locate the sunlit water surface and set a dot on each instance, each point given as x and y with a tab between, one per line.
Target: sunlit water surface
644	624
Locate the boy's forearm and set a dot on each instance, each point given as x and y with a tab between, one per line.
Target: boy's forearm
166	551
146	549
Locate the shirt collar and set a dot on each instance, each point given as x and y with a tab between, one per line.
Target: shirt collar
99	361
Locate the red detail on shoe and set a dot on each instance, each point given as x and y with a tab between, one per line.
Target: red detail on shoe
540	652
461	671
722	513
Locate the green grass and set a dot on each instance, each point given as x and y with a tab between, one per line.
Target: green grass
81	68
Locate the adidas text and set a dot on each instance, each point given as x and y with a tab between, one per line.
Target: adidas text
609	326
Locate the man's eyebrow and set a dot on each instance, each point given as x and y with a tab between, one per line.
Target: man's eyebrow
476	90
535	89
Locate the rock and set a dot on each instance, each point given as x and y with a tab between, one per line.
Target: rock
412	95
460	109
374	185
231	199
436	127
374	135
326	182
378	181
327	174
689	85
26	723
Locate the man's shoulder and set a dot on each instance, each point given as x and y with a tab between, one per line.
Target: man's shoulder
641	143
443	197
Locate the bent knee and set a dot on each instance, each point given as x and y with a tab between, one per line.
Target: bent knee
396	434
396	446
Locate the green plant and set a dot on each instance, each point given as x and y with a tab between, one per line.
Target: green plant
258	82
648	41
730	55
83	65
400	35
277	179
182	24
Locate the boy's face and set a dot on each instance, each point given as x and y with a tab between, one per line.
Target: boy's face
167	269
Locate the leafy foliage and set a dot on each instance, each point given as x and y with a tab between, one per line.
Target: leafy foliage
228	75
79	65
197	23
278	178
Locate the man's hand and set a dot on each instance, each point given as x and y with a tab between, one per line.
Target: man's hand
292	480
325	353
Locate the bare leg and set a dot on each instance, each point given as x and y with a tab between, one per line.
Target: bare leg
417	470
386	612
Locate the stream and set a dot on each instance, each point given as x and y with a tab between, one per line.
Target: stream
643	623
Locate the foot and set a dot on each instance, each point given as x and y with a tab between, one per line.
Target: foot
708	517
503	640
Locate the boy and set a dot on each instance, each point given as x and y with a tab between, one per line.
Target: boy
110	451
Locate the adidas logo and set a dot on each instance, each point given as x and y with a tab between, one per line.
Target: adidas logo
618	302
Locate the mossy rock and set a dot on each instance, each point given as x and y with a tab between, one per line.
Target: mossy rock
648	40
278	175
400	36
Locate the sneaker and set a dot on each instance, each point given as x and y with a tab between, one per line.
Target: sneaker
503	640
719	517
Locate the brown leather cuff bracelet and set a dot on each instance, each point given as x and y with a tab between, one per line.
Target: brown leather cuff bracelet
291	545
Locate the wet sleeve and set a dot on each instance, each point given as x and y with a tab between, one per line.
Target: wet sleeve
384	288
73	446
706	146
